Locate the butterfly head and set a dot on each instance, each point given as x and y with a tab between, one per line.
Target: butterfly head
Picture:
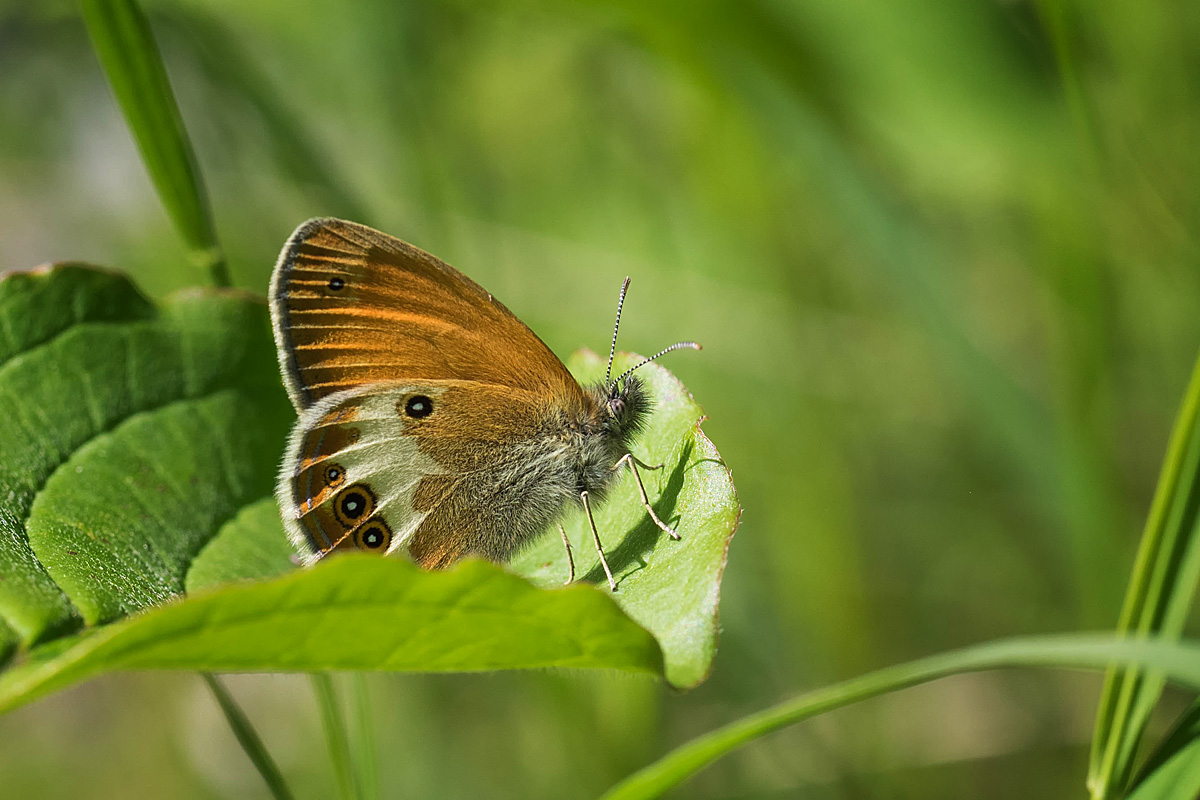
627	405
625	399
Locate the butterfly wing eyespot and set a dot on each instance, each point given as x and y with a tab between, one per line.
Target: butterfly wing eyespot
374	536
417	406
422	477
351	460
336	284
354	504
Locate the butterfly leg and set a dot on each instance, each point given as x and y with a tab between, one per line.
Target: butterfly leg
570	558
633	465
641	463
596	538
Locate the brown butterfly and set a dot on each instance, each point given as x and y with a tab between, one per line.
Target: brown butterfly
431	418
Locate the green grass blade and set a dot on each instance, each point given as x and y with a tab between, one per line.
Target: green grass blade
1157	601
336	737
124	43
1173	770
248	738
1180	662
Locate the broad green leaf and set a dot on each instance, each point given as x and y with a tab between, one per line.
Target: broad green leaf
133	435
354	612
38	305
125	45
670	587
251	545
1179	662
45	316
118	525
1157	601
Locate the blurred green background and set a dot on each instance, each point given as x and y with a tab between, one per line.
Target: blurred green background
943	259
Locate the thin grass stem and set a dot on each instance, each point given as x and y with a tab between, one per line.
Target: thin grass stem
248	738
363	754
336	737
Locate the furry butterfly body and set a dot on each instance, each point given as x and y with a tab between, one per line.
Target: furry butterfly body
430	418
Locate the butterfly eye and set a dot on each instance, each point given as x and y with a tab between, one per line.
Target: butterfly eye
418	406
336	284
374	536
334	475
353	504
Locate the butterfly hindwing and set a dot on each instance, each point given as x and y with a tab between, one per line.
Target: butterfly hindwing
440	467
353	306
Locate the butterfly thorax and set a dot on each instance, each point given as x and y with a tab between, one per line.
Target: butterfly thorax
535	479
576	447
614	416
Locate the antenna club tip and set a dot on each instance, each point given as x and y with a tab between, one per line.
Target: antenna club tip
625	284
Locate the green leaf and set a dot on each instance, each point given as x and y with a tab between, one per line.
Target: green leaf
140	463
125	45
1178	662
354	612
671	588
1157	601
251	545
43	315
132	435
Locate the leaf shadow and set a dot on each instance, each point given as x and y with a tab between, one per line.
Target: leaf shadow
643	538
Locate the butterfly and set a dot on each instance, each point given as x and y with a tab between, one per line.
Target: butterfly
430	417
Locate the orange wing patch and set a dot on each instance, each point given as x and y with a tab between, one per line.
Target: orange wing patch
353	306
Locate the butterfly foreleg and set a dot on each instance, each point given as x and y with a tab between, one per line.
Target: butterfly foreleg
633	466
587	507
570	558
630	458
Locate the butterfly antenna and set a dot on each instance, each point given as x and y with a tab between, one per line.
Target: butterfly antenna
612	350
663	352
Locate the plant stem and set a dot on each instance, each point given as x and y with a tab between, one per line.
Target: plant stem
363	752
248	738
124	44
335	733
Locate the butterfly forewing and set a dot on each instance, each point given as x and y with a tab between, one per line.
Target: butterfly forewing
353	307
